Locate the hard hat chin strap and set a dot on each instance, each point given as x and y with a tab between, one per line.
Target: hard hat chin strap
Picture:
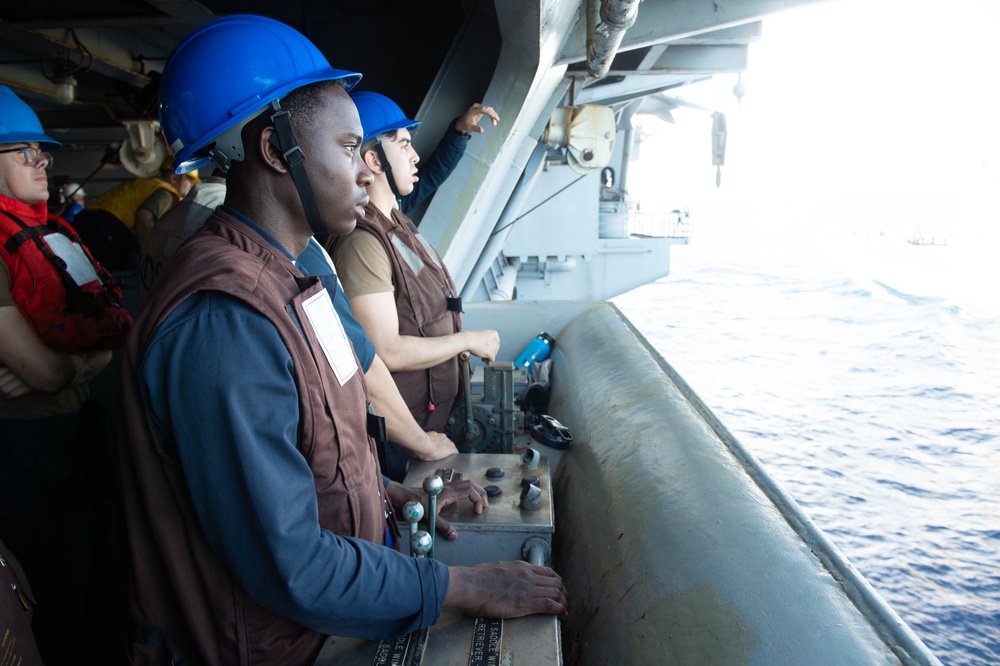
387	168
284	140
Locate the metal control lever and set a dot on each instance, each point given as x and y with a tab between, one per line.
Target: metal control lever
466	369
530	458
421	544
536	550
412	513
531	497
433	485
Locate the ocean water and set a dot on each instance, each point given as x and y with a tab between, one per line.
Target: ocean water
864	373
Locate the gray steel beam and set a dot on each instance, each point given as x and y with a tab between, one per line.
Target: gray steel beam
187	12
737	34
698	60
115	44
664	21
109	59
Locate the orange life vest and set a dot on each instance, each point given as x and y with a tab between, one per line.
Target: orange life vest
71	301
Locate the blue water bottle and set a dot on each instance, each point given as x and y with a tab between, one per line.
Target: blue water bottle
536	351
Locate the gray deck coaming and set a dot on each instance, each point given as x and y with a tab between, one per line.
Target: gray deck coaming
695	572
894	631
714	563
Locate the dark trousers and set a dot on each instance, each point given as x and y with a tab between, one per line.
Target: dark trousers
57	513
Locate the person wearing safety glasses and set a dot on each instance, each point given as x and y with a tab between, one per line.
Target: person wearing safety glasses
60	317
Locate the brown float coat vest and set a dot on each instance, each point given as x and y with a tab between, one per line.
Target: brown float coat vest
423	286
179	587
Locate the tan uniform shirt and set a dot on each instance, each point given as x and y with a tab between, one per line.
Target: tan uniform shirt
362	264
36	405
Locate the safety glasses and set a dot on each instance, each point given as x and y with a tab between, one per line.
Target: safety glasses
32	156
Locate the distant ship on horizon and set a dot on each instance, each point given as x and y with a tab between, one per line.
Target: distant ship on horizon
925	240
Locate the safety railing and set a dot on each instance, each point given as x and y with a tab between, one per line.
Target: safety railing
619	220
673	224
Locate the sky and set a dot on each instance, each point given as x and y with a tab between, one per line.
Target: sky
847	99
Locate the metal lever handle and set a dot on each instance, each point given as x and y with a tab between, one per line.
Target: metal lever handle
470	426
412	513
421	544
536	550
433	485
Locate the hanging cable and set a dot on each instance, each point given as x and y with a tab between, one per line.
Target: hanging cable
540	203
61	69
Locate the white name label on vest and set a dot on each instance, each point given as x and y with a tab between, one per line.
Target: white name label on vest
77	263
331	334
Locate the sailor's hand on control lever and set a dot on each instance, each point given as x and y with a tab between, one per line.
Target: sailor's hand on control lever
484	344
506	589
454	491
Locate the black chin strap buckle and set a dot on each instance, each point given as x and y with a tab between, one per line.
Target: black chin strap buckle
293	157
282	120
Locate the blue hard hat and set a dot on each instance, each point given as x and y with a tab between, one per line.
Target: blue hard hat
223	74
379	114
18	123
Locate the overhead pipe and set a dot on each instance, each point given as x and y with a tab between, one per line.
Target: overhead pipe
604	37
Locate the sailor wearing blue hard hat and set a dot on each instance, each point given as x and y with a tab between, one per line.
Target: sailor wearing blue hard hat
59	320
21	132
255	506
381	118
399	287
204	111
19	124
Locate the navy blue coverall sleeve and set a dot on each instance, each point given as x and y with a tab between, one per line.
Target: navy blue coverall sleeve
436	168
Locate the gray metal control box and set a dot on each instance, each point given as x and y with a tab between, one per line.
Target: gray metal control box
456	640
501	531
